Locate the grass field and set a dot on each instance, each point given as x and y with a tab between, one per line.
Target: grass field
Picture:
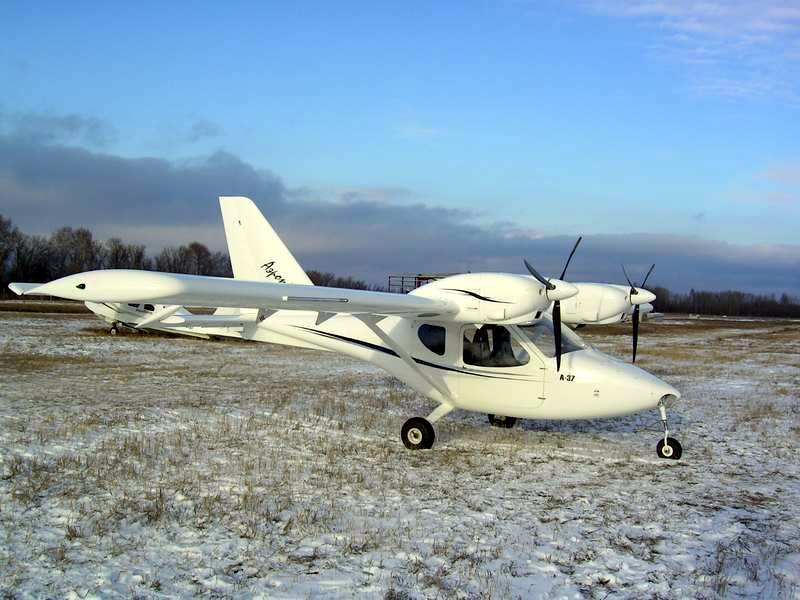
144	466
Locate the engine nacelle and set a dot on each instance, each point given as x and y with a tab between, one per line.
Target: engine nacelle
601	303
495	297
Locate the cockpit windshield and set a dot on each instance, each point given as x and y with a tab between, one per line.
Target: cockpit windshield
541	334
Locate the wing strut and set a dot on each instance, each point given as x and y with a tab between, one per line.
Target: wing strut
371	321
159	316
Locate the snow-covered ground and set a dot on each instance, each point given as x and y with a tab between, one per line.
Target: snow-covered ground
148	466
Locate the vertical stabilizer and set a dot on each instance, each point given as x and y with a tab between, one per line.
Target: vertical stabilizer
256	251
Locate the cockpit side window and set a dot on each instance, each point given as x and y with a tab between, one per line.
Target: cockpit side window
149	307
493	346
133	305
433	338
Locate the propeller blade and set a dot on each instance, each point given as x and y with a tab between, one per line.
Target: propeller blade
575	247
653	266
557	332
630	283
635	330
540	279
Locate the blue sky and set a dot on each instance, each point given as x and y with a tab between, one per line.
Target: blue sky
606	117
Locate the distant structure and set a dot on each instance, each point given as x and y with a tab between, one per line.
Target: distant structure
405	282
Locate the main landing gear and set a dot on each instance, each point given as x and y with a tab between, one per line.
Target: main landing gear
418	433
114	330
501	421
667	447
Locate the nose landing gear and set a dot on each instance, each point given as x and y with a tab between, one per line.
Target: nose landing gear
667	447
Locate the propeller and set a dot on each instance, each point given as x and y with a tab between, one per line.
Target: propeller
635	317
550	286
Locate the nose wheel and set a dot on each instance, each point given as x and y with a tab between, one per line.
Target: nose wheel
667	447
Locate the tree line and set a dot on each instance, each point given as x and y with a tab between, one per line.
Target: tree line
37	259
731	303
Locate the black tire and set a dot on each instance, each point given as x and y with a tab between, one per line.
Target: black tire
672	449
501	421
418	434
113	331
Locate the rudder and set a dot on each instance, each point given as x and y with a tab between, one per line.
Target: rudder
256	251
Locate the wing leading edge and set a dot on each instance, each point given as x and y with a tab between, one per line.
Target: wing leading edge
194	290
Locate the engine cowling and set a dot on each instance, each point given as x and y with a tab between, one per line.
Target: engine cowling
495	297
599	303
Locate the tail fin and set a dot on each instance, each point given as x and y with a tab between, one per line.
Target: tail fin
256	251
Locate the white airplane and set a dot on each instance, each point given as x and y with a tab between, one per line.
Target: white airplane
474	341
139	316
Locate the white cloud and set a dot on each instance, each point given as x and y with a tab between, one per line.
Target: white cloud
735	48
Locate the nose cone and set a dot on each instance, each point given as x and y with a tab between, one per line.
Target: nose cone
643	296
562	291
618	388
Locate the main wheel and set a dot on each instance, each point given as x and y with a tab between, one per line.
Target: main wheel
501	421
417	434
113	330
672	449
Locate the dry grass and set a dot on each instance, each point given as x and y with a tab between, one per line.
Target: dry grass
271	465
13	363
44	307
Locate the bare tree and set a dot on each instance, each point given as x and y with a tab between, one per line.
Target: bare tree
74	251
200	259
332	280
8	238
174	259
115	254
31	260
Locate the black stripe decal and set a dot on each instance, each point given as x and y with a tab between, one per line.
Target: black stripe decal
419	361
478	296
343	338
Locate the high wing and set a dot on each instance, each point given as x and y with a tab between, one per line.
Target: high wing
194	290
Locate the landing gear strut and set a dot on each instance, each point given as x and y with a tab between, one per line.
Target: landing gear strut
667	447
113	330
418	433
501	421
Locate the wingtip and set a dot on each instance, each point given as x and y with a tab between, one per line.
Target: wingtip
21	289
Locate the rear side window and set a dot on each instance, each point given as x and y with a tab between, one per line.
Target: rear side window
432	337
149	307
